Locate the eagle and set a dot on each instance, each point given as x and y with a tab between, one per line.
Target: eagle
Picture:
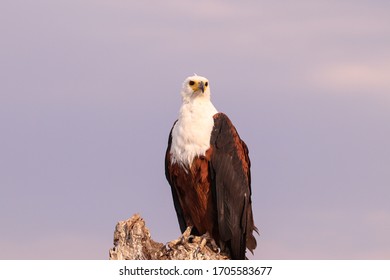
208	168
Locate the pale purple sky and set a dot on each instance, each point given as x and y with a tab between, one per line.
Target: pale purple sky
90	89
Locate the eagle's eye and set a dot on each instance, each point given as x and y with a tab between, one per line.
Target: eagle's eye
191	83
206	84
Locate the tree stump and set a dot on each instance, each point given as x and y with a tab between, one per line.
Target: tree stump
132	241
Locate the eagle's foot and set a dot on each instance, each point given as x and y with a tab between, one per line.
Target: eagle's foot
206	238
183	239
201	244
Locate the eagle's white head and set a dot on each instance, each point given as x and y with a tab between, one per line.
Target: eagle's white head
195	87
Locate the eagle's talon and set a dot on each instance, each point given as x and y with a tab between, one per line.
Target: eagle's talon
196	252
186	236
206	238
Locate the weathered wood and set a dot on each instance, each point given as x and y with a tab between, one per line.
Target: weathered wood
132	241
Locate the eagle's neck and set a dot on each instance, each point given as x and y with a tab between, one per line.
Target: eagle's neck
192	132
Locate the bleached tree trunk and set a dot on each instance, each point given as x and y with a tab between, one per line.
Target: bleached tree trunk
132	241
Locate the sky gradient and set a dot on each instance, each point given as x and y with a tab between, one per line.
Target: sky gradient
89	91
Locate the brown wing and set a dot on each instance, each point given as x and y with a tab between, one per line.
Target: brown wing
231	183
169	176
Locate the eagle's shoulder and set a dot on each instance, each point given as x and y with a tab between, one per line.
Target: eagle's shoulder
220	116
224	132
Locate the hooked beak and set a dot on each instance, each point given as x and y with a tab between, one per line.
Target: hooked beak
201	86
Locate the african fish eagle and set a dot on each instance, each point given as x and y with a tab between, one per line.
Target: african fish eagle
208	168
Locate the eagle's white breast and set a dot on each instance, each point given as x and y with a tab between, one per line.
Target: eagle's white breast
191	133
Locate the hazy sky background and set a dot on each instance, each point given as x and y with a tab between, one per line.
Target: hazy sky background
90	89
